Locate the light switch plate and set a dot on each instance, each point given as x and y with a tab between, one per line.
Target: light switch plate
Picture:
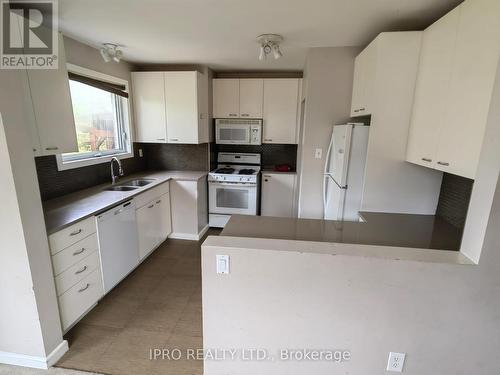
222	264
318	153
396	362
141	153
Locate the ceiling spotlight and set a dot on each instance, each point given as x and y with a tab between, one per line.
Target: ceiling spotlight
269	43
110	51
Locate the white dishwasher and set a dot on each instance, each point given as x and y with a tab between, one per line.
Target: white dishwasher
119	248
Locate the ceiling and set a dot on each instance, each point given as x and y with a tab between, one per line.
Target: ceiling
221	33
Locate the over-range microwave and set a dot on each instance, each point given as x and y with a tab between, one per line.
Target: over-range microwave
238	131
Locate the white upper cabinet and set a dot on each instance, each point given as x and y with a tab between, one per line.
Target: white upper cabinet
226	98
170	107
182	106
455	87
365	69
149	103
52	108
251	98
433	82
281	104
472	78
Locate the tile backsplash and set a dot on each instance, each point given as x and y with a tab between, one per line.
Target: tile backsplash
454	199
54	183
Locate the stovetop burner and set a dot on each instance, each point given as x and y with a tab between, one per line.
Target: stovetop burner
224	170
246	171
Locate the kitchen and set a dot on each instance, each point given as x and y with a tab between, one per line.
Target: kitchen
146	176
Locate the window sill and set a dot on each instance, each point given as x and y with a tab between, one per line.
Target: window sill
62	166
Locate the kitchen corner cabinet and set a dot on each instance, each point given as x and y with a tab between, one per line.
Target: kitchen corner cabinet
281	107
170	107
365	69
278	194
238	98
460	53
53	123
153	219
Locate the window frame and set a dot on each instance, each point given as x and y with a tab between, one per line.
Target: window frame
106	156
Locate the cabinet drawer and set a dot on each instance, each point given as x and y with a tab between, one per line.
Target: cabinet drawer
151	194
72	234
73	254
77	272
77	300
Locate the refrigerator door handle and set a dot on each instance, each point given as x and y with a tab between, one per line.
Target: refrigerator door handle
325	177
328	152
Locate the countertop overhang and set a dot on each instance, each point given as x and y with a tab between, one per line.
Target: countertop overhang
377	229
66	210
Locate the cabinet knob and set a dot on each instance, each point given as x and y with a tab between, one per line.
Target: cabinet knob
427	160
443	163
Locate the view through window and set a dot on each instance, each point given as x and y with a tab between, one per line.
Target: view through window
99	121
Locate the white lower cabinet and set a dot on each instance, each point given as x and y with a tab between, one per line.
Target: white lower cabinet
278	194
77	270
154	222
80	298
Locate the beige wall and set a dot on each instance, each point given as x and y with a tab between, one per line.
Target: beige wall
327	83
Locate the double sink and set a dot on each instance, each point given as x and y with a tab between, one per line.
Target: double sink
131	185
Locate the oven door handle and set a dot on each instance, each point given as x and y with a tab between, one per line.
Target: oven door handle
233	184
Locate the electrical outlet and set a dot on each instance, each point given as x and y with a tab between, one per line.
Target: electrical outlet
396	362
318	153
140	153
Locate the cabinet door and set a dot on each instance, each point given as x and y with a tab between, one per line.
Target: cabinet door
226	98
53	108
432	89
357	86
149	105
472	79
147	228
251	98
281	97
277	194
181	89
369	68
165	219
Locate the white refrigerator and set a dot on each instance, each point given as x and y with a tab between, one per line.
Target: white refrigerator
344	172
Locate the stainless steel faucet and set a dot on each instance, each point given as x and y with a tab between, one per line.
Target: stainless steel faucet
115	178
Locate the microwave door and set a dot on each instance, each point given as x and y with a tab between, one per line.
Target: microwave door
233	134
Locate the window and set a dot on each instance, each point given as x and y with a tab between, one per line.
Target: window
101	112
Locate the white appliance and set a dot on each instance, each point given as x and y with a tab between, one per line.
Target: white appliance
233	187
238	131
118	243
344	172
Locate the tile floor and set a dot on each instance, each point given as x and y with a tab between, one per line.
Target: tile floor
156	306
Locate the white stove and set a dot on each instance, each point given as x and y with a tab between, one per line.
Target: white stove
233	187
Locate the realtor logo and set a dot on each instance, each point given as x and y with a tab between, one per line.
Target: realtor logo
29	37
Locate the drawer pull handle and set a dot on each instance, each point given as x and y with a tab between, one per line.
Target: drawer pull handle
79	251
443	163
427	160
268	140
245	115
82	270
233	114
362	109
174	139
158	201
151	206
160	139
75	232
84	288
356	110
51	148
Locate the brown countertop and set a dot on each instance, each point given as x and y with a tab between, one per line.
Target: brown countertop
379	229
64	211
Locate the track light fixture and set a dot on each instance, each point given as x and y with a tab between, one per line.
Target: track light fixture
110	51
269	43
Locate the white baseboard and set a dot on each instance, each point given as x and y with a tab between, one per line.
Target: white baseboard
33	361
189	236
